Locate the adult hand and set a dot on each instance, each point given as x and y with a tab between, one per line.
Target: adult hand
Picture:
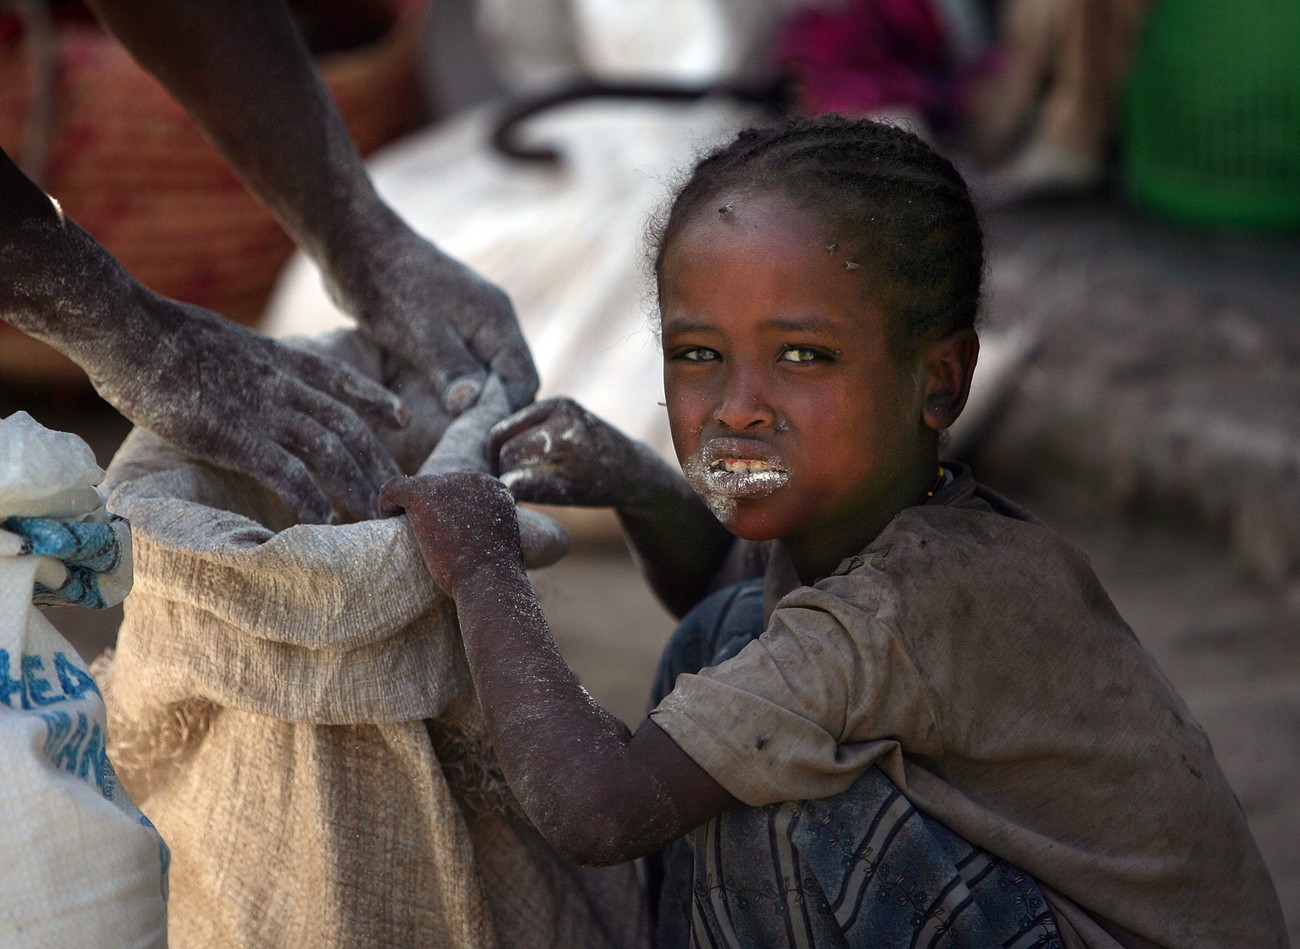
432	311
461	520
556	452
296	422
242	71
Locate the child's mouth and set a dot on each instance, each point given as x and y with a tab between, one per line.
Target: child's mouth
745	477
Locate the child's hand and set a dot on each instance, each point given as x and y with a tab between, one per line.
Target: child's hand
556	452
462	521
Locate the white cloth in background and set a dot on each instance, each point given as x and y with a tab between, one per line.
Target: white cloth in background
567	243
83	866
537	41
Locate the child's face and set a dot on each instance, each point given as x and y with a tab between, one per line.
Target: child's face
790	415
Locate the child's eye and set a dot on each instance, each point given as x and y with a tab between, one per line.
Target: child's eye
803	354
697	354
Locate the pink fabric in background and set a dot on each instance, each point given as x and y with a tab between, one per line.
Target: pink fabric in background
870	56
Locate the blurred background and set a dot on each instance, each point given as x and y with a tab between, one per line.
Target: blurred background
1137	163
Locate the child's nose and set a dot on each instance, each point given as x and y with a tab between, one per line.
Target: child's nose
744	403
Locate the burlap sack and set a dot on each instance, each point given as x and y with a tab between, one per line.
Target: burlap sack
290	705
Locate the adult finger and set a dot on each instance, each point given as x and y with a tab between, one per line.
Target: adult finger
496	340
460	391
457	374
512	361
330	461
364	396
284	474
348	432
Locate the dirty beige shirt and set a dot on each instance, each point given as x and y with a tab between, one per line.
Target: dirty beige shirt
971	653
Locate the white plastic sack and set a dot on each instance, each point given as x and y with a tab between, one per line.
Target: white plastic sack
45	473
83	866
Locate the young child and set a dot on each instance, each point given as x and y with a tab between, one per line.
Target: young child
925	724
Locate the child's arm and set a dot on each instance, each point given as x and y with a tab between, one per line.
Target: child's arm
556	452
596	792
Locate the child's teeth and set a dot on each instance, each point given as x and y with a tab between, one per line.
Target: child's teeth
743	467
740	478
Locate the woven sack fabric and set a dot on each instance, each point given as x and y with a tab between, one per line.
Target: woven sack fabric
290	705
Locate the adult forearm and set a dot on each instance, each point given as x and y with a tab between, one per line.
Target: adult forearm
56	283
242	71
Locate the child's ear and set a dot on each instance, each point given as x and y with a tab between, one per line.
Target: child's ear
948	364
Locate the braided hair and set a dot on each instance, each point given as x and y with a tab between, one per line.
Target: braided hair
899	209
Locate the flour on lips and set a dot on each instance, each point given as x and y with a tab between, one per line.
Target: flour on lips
746	478
739	470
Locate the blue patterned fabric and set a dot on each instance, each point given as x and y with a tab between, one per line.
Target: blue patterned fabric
89	551
862	868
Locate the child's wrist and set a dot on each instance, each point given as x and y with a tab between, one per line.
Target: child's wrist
490	570
656	490
664	499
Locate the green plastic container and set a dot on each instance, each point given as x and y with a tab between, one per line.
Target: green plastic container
1210	126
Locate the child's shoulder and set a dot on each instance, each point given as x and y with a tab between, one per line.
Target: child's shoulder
967	515
961	492
967	543
972	576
